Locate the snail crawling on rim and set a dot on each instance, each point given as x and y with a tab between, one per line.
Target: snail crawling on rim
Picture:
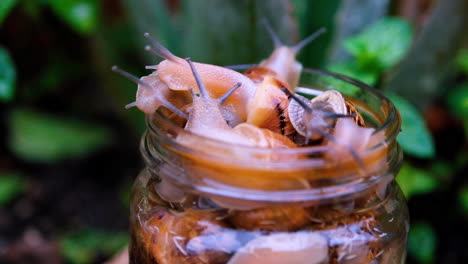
257	108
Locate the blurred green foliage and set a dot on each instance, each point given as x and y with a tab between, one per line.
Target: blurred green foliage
414	137
81	247
11	185
310	16
414	181
422	242
5	7
381	45
7	76
81	15
463	199
43	138
457	102
462	60
376	49
351	69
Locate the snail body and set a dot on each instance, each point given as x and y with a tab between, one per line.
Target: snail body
207	120
267	109
218	80
257	108
173	78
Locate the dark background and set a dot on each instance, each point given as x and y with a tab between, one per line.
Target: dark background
69	149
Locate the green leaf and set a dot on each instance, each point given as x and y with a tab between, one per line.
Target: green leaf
5	7
414	137
83	246
7	76
463	199
43	138
81	15
11	185
353	70
462	60
352	17
457	101
422	74
382	44
414	181
422	242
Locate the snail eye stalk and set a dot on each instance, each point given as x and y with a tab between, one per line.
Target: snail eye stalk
138	81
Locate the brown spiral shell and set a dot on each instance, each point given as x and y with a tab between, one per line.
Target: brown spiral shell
358	119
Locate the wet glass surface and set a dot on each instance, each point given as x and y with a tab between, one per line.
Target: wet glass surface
196	229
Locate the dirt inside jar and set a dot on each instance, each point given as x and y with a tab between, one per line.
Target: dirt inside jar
193	232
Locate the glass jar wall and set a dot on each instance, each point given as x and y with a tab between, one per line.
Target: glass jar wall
215	203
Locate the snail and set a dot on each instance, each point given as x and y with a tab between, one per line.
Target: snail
282	64
257	108
267	109
258	101
173	76
315	119
152	94
206	119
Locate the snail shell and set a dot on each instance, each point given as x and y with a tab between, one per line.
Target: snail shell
258	74
268	107
358	119
264	138
326	103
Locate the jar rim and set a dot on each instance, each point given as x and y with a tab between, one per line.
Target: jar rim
391	126
199	171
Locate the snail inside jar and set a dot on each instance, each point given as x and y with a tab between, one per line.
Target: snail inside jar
276	165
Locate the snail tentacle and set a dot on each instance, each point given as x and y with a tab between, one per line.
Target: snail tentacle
198	80
130	76
159	49
335	115
296	48
306	107
151	67
146	85
226	95
130	105
274	37
240	66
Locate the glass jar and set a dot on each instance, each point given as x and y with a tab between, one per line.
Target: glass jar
216	203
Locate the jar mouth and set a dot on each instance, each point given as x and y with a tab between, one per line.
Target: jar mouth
239	172
388	124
